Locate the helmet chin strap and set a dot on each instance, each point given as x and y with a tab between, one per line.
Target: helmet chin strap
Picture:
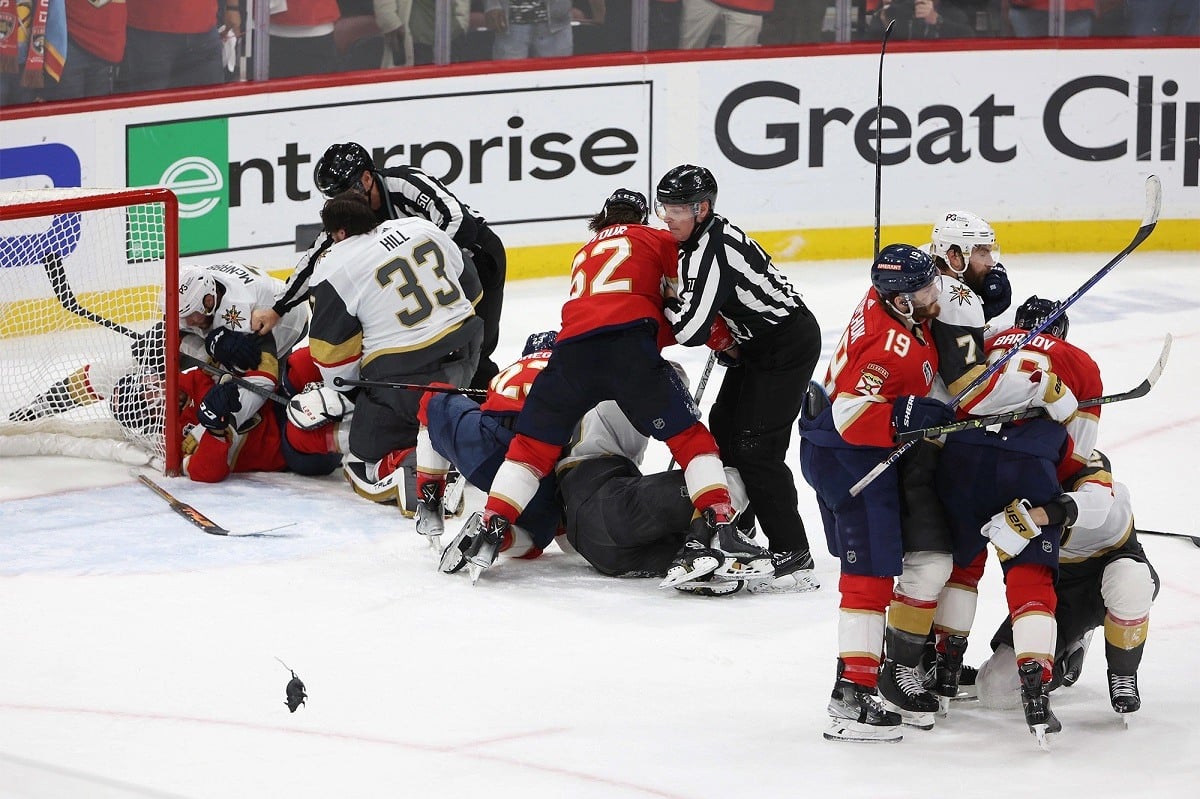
907	316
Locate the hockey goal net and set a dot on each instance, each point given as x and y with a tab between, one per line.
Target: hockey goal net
87	368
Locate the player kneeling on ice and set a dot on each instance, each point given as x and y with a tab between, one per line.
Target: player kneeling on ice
1104	580
392	302
457	430
220	439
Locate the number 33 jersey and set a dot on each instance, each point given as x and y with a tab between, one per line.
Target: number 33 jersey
400	295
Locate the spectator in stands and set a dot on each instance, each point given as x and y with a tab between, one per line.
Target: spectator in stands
921	19
393	17
95	47
421	22
302	39
664	24
1031	18
358	36
25	70
171	44
536	28
742	21
1163	17
794	22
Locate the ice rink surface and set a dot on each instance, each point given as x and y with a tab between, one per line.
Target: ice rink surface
139	655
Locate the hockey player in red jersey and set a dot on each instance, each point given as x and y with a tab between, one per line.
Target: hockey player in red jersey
878	378
457	430
609	344
216	445
1016	499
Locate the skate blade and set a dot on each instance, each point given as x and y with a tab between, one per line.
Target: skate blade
735	569
476	570
853	732
794	583
921	720
1040	732
711	587
678	575
435	541
1125	718
943	706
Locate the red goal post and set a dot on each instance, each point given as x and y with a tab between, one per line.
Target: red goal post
87	368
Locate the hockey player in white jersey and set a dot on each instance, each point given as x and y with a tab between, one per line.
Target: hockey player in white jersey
964	247
394	302
215	304
1104	580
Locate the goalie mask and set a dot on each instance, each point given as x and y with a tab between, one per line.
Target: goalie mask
137	402
964	230
195	283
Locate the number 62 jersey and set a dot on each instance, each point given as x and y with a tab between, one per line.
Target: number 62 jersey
390	301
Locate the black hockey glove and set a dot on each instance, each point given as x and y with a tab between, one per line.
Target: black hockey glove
148	350
916	413
996	292
218	407
234	350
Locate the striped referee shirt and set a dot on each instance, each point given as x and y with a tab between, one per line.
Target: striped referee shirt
405	191
722	270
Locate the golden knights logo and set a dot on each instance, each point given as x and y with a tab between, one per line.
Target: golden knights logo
233	318
961	295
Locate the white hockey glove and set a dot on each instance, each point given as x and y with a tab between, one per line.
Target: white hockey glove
1011	529
317	407
1054	395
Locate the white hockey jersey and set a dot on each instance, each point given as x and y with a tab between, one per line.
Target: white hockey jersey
393	296
245	289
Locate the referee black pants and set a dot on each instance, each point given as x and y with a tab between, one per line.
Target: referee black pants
753	418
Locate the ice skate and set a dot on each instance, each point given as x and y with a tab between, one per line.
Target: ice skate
901	689
857	715
743	559
454	555
794	574
486	545
1035	701
695	560
947	683
1123	693
1072	659
431	520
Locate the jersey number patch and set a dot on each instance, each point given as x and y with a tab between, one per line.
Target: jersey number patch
416	297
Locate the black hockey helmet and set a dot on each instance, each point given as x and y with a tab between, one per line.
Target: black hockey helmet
685	184
539	341
340	167
631	199
136	402
902	269
1035	310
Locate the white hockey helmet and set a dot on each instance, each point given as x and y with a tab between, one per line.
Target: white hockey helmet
195	283
962	229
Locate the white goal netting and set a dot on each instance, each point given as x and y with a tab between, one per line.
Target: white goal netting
83	358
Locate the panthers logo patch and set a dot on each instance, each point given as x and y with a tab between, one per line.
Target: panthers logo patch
233	318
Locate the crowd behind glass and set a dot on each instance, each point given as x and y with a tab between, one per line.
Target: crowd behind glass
91	48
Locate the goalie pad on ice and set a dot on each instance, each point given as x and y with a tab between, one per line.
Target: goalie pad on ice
399	487
317	407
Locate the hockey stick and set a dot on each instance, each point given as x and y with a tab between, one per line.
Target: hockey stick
1140	390
1149	220
1195	539
199	519
477	393
67	299
879	137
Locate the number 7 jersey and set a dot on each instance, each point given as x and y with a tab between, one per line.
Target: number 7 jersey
399	292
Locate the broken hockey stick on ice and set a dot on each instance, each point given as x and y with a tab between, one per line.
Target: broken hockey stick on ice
1149	221
1195	539
1140	390
67	299
199	519
477	393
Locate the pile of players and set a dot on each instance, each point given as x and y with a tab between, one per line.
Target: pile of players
405	289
